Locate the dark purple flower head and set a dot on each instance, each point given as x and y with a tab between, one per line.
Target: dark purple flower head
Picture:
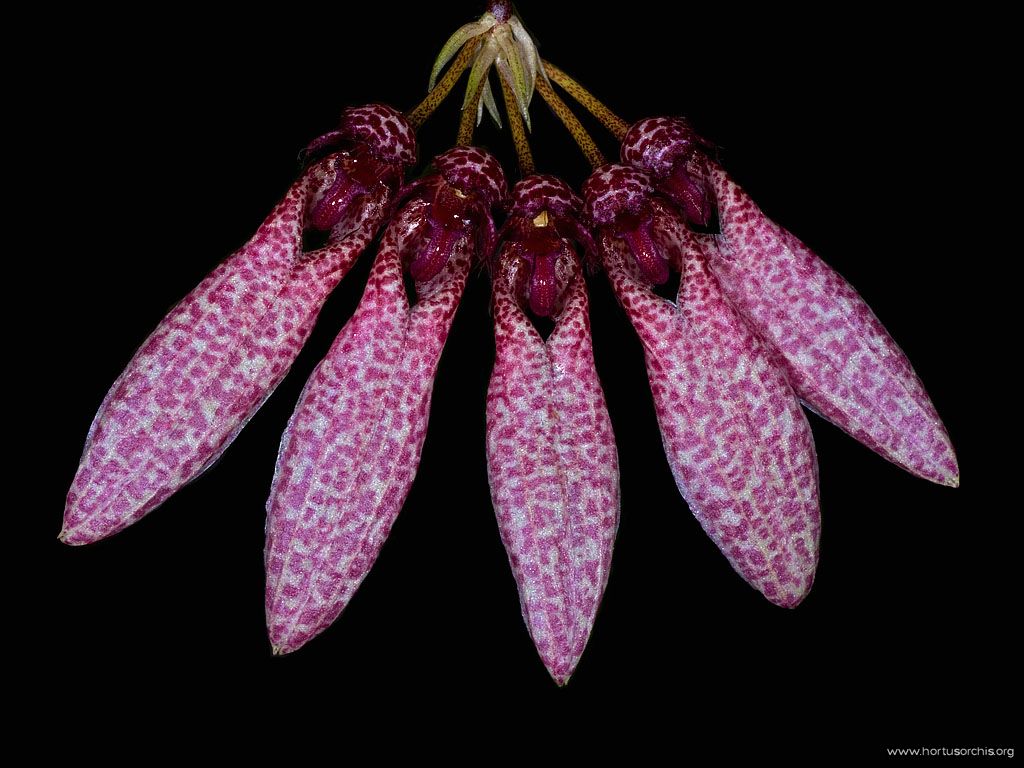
475	172
621	202
614	190
537	258
542	192
371	147
385	134
457	203
668	149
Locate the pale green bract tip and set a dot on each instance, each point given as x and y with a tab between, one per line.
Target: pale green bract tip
507	47
490	103
480	68
462	35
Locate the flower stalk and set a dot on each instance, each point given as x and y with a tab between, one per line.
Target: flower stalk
470	116
439	92
572	123
615	124
515	124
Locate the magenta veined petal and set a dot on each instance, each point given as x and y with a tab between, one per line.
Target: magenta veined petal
211	363
553	471
737	442
839	358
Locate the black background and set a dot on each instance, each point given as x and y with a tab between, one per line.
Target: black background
187	132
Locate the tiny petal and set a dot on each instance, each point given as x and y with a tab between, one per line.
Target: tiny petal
553	471
489	102
840	359
481	68
735	437
514	70
528	51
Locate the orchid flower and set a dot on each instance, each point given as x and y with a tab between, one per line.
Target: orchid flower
839	358
758	326
217	356
551	456
351	449
738	444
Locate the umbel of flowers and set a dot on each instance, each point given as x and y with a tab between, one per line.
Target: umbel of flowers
760	325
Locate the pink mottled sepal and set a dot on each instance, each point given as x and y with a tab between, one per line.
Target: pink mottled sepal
839	358
737	442
350	453
213	361
553	470
351	450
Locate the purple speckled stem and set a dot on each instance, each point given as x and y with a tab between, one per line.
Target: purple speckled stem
210	364
350	453
839	358
553	470
735	437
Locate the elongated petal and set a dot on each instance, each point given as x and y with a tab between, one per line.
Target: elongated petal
207	368
838	356
553	471
350	453
736	439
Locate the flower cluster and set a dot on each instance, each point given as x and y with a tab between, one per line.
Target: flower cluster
760	325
